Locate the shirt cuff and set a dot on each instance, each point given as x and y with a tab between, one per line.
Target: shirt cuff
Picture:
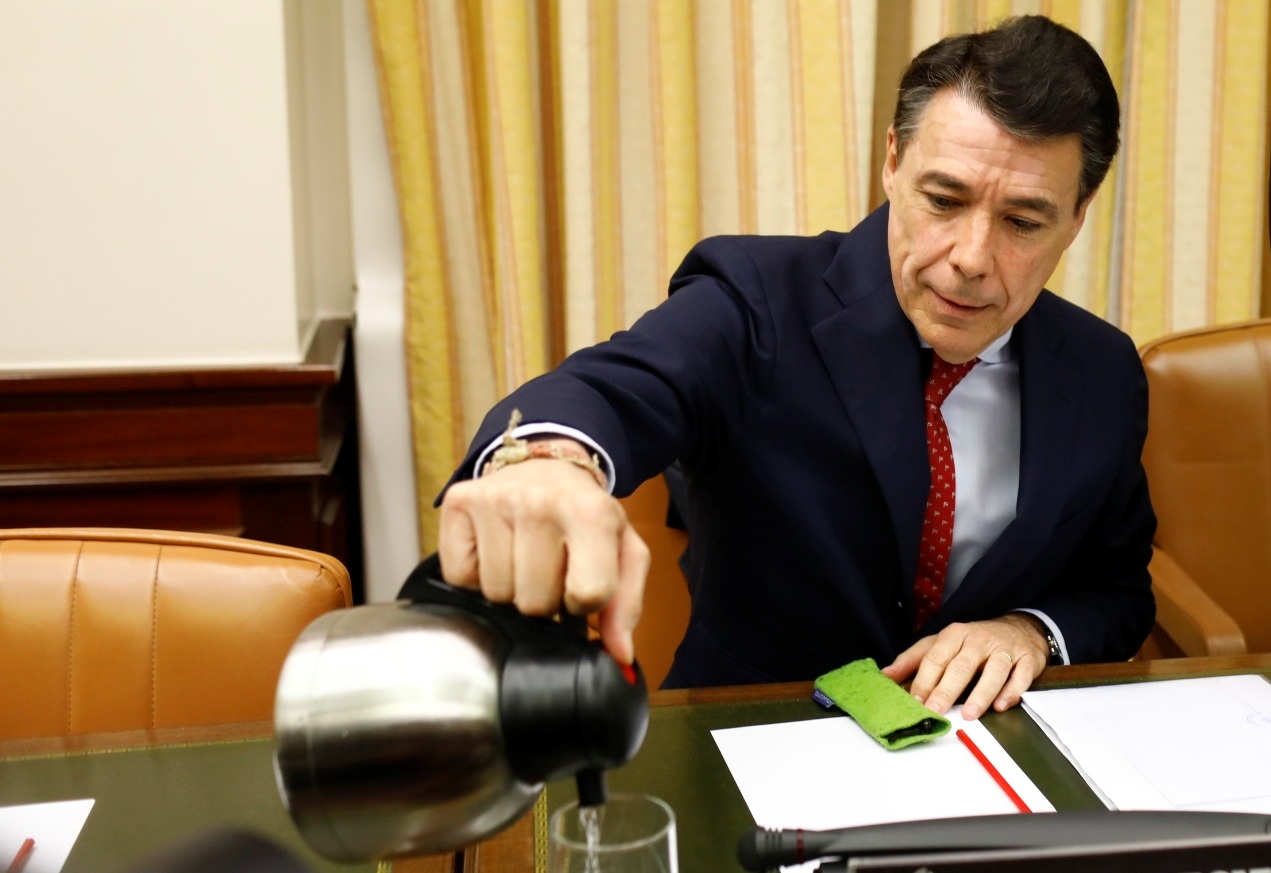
547	427
1054	629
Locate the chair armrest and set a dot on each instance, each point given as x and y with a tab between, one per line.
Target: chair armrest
1190	616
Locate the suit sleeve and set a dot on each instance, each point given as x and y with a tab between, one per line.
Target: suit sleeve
1103	602
682	379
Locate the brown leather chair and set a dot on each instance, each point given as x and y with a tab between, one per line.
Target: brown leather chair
666	597
113	629
1208	461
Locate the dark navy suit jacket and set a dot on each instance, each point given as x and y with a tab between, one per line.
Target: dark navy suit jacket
783	375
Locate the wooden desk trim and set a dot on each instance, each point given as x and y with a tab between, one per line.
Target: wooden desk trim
87	744
1051	677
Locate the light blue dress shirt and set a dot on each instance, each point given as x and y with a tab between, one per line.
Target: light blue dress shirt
982	415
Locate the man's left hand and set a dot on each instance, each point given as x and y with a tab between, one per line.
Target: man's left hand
1008	653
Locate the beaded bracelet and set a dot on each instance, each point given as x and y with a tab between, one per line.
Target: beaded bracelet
515	450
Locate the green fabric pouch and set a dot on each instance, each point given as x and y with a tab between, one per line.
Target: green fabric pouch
885	710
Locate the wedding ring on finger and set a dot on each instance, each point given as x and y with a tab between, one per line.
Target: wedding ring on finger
1009	657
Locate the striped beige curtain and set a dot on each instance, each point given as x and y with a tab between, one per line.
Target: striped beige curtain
1192	225
462	89
680	120
555	159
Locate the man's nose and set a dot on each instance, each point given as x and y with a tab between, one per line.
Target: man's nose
972	253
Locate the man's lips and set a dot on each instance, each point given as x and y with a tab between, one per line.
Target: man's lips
953	306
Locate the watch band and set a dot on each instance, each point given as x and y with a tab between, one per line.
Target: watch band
1056	653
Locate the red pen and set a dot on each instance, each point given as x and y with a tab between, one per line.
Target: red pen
992	771
19	860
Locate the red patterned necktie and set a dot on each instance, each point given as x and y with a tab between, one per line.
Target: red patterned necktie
937	520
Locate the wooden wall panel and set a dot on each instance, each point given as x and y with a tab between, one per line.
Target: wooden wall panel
268	453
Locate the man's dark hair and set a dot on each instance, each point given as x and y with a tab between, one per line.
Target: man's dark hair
1035	78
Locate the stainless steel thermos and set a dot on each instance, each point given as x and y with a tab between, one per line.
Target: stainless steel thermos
432	723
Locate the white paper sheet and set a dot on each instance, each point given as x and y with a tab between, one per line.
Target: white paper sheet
1201	744
828	773
53	826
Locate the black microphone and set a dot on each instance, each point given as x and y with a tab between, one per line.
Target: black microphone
760	849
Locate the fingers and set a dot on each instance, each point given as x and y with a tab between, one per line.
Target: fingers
620	617
1020	680
1005	653
541	535
997	669
457	538
907	661
533	581
593	529
945	672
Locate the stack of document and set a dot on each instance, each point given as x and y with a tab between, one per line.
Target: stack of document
1194	744
41	833
828	773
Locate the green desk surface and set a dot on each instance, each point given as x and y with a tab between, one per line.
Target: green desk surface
680	763
147	798
152	793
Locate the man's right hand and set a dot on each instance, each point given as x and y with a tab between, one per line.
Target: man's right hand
539	534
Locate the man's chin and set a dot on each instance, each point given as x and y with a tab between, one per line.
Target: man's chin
954	344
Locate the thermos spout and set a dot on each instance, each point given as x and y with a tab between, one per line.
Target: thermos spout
591	787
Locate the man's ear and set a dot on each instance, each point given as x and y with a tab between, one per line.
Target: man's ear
891	161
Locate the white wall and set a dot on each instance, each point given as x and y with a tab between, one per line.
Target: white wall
157	170
390	513
182	183
320	158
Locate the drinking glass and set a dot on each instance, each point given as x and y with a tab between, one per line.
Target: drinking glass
635	833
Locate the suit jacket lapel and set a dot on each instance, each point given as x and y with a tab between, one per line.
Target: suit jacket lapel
1050	404
872	355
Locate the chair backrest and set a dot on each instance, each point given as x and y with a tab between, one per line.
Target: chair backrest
1208	462
113	629
666	596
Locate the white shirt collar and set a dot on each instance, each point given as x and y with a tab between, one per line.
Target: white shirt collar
998	352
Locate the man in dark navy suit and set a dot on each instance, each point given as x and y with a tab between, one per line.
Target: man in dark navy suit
817	390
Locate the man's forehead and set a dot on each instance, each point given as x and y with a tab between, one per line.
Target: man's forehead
955	140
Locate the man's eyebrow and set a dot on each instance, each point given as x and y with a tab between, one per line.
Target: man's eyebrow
1041	205
944	180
